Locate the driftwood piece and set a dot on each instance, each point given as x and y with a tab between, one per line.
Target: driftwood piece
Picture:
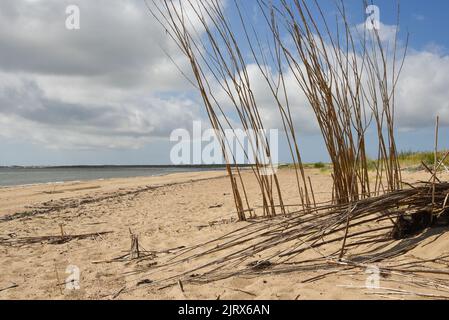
59	239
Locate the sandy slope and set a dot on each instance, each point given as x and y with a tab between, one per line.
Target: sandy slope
166	212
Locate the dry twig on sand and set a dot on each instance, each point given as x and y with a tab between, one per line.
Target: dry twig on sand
60	239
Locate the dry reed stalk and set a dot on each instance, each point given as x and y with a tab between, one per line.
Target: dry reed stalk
349	79
134	252
58	280
279	244
435	168
217	59
57	239
339	79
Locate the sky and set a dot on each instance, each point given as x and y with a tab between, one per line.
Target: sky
108	93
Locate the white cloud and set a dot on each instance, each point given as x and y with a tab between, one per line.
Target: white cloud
101	86
423	91
28	114
107	84
387	33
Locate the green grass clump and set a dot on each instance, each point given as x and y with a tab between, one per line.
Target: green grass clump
410	158
319	165
314	165
406	159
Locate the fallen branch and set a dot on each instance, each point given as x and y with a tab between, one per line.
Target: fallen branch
10	287
59	239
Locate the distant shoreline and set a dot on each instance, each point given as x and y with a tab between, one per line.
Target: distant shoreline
162	166
28	176
97	180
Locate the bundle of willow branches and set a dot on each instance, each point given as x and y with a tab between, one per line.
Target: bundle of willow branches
372	230
217	57
348	77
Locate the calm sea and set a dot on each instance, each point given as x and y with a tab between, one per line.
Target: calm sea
14	176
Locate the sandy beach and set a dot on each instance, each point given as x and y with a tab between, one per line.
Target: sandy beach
165	212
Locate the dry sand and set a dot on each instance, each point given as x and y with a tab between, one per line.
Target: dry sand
166	212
